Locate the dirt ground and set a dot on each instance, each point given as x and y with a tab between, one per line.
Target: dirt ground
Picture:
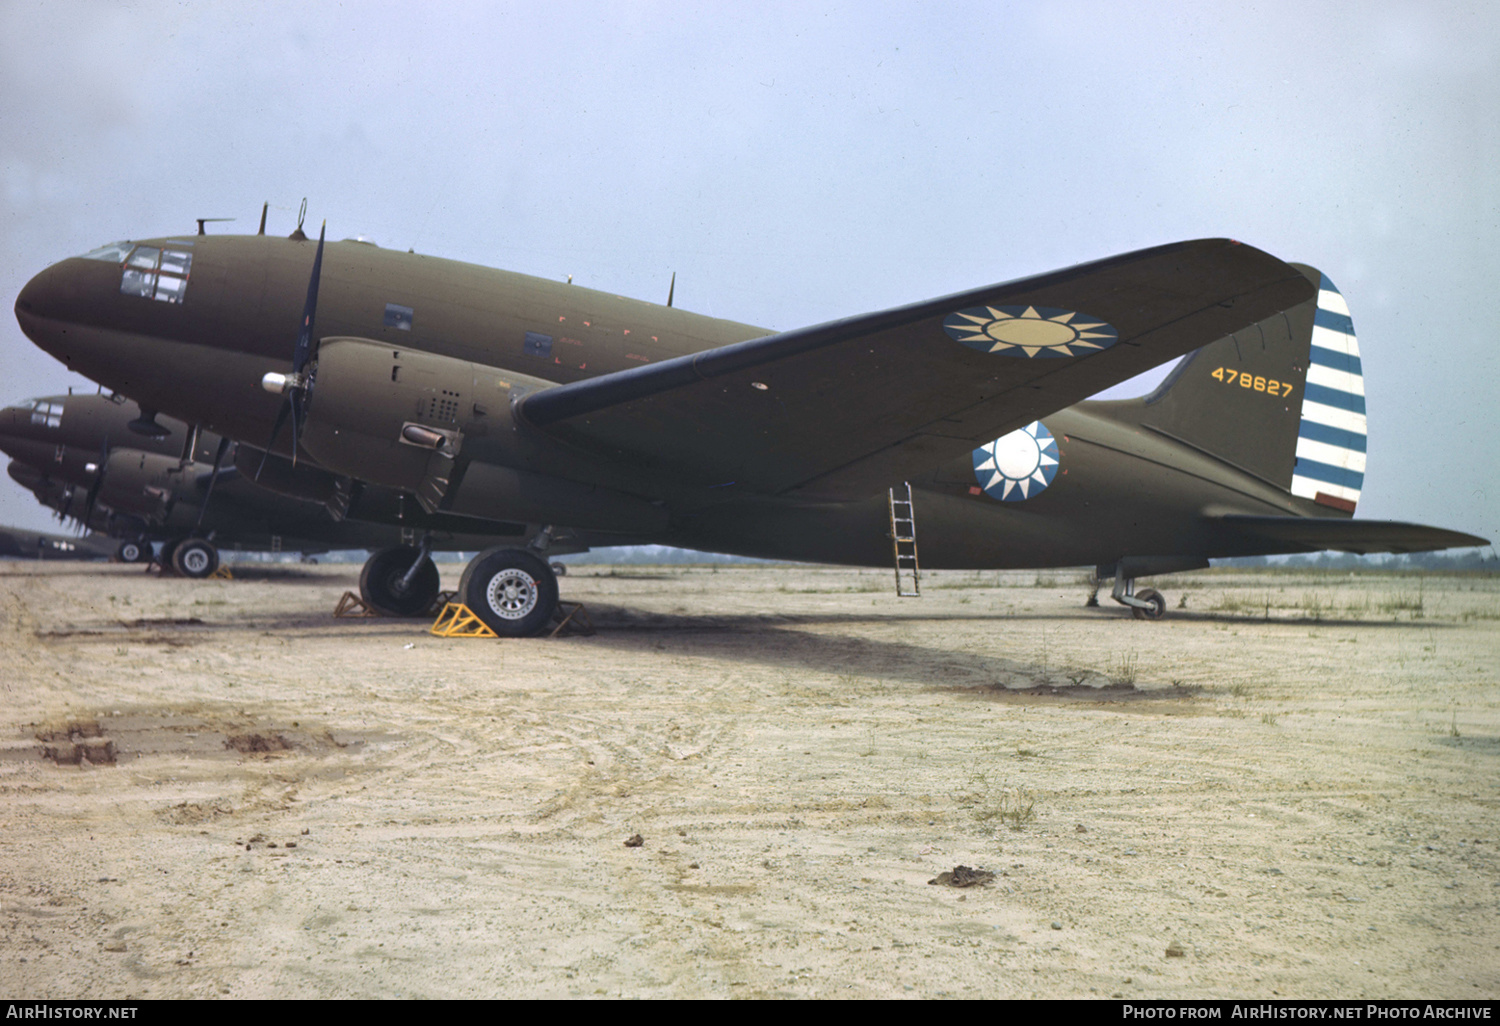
1286	788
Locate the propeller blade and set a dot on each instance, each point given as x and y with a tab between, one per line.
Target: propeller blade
304	337
286	408
294	400
212	477
96	484
301	351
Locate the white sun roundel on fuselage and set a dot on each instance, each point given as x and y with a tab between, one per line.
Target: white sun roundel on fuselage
1019	465
1029	331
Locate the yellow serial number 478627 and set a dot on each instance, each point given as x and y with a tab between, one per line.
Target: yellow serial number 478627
1270	386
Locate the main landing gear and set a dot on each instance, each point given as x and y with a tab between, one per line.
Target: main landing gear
133	551
511	590
401	580
189	557
194	557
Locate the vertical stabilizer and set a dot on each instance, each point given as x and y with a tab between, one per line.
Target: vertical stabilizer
1282	400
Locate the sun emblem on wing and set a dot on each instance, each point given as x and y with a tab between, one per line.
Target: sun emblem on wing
1019	465
1030	331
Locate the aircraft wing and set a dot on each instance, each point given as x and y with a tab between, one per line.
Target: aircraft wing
842	410
1358	536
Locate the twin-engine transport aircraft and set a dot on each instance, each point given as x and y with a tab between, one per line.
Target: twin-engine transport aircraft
489	395
16	543
80	457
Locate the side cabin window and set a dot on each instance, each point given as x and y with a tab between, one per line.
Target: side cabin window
151	272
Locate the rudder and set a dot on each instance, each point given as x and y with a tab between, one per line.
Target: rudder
1330	466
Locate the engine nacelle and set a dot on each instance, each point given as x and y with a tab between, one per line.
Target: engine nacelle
399	417
394	416
143	484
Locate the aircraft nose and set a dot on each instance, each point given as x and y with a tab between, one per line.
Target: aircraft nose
13	422
25	475
56	297
41	296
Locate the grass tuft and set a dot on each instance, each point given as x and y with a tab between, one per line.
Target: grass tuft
1125	668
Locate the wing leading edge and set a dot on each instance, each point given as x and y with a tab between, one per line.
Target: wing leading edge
840	410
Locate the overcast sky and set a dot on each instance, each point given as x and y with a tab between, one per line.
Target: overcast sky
798	163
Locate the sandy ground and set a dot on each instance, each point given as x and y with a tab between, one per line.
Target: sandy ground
1288	787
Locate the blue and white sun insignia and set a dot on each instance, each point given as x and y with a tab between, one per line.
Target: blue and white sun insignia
1030	331
1018	466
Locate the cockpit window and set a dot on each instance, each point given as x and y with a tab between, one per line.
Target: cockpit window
45	413
154	273
114	253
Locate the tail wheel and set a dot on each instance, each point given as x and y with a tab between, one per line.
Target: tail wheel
380	582
1157	609
511	590
131	551
195	557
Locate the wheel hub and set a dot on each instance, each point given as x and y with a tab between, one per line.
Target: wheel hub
512	594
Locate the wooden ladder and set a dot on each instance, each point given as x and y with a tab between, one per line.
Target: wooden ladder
904	542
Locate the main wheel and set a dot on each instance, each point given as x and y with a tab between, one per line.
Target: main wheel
511	590
132	551
380	582
194	557
1158	605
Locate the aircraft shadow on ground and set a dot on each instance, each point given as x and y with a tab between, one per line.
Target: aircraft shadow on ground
1306	621
611	618
1471	743
786	643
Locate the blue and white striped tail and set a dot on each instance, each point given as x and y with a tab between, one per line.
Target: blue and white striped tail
1330	467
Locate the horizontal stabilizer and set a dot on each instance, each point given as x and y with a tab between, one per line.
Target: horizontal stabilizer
841	410
1314	534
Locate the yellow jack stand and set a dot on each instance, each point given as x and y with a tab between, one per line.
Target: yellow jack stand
456	621
571	618
352	607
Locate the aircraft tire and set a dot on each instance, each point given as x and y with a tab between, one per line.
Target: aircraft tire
382	574
512	591
1158	607
194	557
132	551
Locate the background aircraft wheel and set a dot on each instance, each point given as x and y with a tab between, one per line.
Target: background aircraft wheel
380	582
194	557
165	559
1158	605
510	590
133	551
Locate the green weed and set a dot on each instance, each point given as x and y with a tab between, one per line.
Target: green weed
1125	667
